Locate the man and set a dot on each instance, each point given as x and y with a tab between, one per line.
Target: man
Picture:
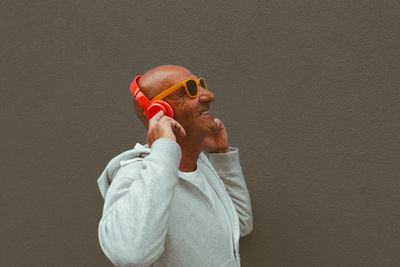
181	200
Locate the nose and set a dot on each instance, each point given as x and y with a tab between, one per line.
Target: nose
206	95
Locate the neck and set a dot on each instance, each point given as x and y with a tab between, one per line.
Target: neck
191	150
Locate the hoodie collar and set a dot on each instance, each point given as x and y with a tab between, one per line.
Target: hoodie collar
105	179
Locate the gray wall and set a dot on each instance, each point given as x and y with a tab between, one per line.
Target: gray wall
309	91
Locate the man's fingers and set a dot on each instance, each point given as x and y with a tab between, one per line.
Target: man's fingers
167	122
178	128
158	115
156	118
175	126
219	123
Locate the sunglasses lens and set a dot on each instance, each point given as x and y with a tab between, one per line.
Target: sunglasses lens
191	87
203	83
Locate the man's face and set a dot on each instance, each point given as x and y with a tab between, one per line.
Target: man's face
193	113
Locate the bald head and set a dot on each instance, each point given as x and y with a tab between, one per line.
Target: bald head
157	80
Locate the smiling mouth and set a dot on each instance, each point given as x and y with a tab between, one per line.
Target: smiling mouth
205	112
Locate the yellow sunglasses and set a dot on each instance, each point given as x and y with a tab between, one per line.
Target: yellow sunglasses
191	88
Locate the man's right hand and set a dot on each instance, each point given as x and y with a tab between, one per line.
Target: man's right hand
161	126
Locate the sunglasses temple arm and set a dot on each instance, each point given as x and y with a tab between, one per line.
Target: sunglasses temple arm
167	92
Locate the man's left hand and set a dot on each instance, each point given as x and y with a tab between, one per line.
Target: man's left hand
218	141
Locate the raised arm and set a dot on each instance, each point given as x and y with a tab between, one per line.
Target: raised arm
226	162
134	223
133	227
229	170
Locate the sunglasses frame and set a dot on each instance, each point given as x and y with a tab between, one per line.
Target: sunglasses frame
177	86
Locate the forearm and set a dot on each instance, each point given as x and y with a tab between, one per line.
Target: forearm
229	170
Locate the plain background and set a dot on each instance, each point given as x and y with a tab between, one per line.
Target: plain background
308	90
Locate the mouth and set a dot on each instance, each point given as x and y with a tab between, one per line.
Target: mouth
205	112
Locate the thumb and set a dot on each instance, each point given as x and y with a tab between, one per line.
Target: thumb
219	123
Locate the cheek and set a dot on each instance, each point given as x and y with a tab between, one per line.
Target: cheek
181	113
187	118
183	109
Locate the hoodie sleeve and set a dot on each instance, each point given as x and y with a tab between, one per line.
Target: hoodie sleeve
229	170
133	227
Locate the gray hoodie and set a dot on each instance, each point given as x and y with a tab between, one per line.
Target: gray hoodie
151	216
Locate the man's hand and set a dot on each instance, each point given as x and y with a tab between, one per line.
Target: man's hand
218	141
161	126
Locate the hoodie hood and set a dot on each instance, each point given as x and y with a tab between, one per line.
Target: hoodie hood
105	179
